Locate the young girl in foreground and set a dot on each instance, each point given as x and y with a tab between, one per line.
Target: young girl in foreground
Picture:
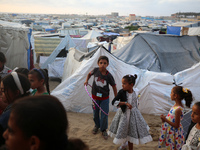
13	87
37	123
37	78
128	123
172	136
193	140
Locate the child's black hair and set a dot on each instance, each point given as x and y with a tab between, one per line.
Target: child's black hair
23	71
77	144
198	104
2	58
130	78
184	94
42	74
43	116
9	83
103	57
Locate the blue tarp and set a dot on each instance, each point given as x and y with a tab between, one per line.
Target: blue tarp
49	29
173	30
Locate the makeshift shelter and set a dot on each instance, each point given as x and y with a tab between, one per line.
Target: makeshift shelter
154	87
92	34
74	60
121	41
14	43
65	43
161	53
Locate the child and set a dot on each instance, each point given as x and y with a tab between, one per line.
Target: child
13	86
3	69
193	139
37	78
37	123
100	93
4	104
172	136
128	123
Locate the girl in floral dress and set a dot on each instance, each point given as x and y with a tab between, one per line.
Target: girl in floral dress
172	136
128	123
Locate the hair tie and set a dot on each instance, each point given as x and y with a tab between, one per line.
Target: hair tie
185	90
38	70
17	82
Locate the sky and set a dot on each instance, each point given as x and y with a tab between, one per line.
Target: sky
101	7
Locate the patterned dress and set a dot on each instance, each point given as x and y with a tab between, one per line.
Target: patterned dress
130	125
171	137
193	141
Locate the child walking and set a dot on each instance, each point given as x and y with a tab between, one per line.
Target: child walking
172	136
100	93
128	123
37	78
193	138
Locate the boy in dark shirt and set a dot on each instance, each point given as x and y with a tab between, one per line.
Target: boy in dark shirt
100	93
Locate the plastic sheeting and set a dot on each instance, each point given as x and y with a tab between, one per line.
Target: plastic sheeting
161	53
73	61
154	87
120	42
194	31
66	43
14	44
92	34
173	30
55	69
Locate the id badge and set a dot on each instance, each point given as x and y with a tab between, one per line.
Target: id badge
99	94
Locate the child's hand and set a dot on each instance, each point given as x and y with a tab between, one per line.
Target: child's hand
129	105
163	118
86	83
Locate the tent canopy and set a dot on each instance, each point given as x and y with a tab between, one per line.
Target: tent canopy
154	87
161	53
14	44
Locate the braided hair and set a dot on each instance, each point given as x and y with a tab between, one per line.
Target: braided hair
130	78
184	93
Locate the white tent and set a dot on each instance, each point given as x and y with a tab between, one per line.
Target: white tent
14	43
154	87
121	41
72	62
66	44
92	34
194	31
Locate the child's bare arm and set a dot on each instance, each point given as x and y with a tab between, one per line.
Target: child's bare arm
87	78
115	90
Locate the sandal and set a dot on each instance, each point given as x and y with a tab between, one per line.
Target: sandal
105	135
95	130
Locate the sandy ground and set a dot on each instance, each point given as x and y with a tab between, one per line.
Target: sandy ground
81	125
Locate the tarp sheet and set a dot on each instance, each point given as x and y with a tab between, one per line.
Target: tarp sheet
161	53
14	44
154	87
173	30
